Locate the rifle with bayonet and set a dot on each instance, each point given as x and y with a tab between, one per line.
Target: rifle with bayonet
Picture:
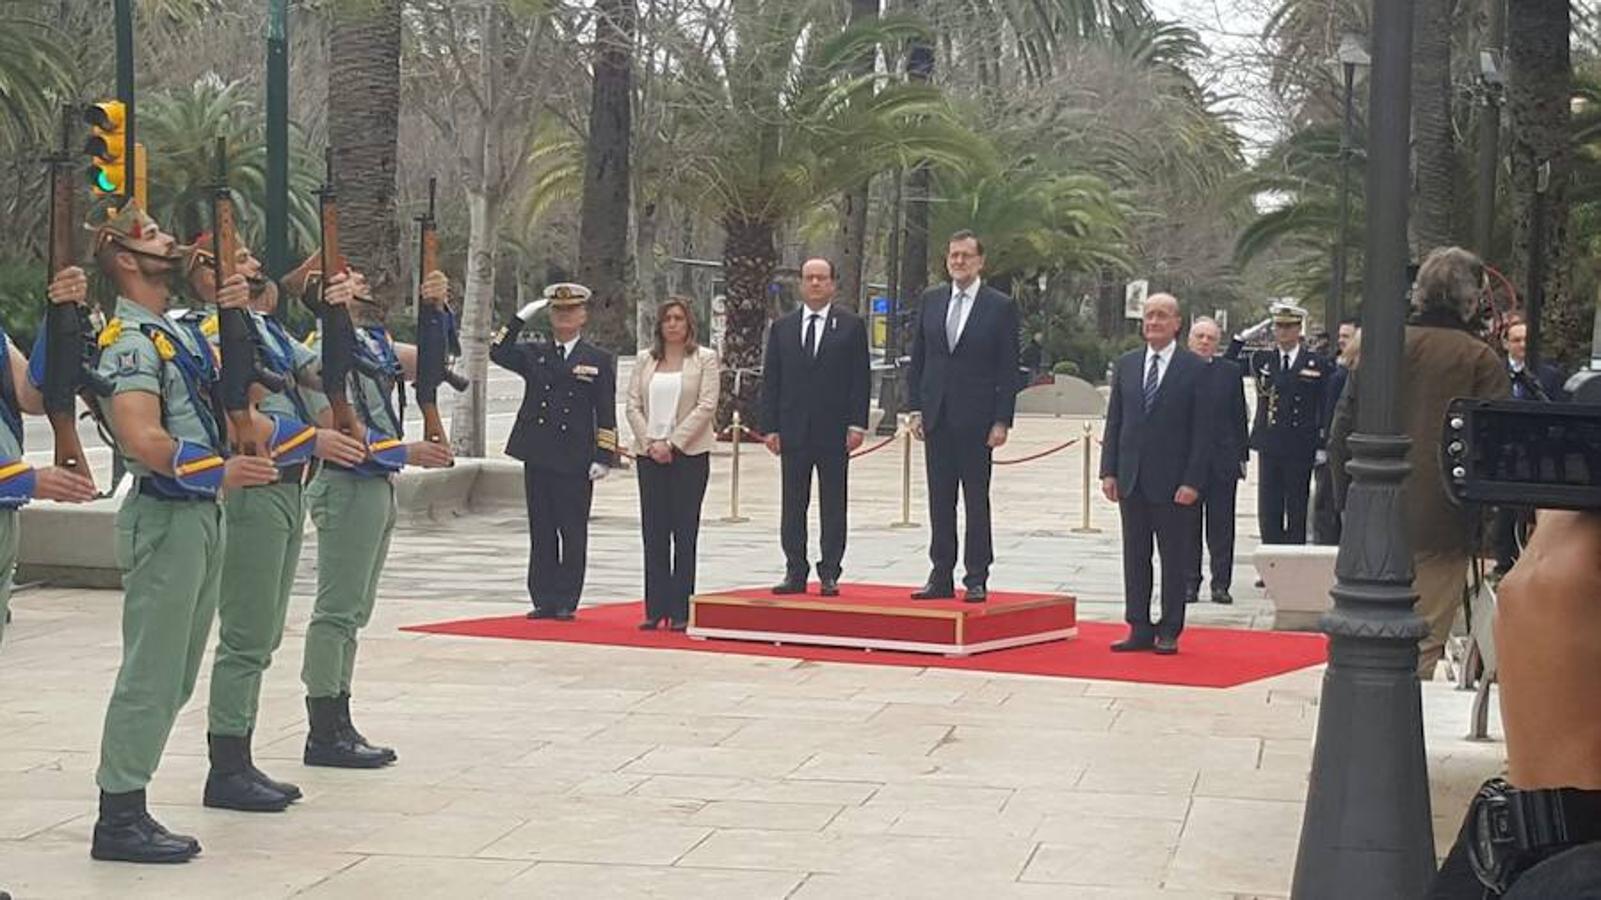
338	334
241	364
437	338
69	333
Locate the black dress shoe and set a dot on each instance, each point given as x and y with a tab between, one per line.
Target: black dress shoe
565	615
978	593
1133	645
790	586
1221	595
230	785
678	625
1192	595
829	587
1166	646
283	787
648	625
329	744
935	590
125	832
542	614
1260	583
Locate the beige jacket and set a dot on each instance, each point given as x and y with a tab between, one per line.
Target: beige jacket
697	402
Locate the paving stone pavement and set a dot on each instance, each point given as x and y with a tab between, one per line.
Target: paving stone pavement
552	770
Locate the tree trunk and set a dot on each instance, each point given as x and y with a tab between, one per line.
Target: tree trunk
749	259
1435	184
467	422
363	128
853	207
919	187
603	229
647	293
1539	90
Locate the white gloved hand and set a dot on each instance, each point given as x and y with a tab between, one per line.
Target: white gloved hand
598	471
531	308
1320	458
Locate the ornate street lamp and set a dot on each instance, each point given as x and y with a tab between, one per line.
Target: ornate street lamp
1351	54
1367	831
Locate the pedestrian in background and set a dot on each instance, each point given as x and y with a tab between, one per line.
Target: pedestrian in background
672	399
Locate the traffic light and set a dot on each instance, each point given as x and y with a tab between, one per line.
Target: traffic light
107	146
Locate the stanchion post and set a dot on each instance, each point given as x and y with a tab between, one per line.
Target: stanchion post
736	430
906	476
1089	438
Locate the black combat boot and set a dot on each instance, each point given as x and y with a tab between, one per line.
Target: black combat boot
351	732
125	832
283	787
328	744
230	784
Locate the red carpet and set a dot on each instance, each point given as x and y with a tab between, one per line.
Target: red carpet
1208	657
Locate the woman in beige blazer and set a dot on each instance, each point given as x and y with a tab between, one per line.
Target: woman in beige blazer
672	399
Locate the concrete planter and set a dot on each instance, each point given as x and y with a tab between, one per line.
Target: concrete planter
1298	578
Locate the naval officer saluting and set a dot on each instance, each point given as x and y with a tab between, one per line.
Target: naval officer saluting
566	438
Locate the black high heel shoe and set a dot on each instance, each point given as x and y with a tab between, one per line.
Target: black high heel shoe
650	624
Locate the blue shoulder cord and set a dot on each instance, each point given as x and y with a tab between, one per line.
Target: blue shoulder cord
276	345
388	361
196	373
8	389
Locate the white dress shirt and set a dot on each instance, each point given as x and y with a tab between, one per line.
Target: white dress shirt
567	346
969	296
1165	355
822	322
1294	355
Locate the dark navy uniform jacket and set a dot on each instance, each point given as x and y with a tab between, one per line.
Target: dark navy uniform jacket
1289	405
568	417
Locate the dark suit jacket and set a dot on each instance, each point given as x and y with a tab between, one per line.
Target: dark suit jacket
1289	405
971	385
1549	379
814	400
1153	452
568	417
1231	442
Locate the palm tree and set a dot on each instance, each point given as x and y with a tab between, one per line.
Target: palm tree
778	126
363	130
1435	182
603	231
180	128
35	72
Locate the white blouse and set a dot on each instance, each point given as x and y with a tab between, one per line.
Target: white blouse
664	390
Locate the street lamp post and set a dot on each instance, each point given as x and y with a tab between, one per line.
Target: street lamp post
278	138
1367	830
1350	55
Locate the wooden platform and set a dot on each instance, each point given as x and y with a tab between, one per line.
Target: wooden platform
883	617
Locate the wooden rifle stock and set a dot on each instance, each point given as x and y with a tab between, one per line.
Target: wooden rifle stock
67	328
338	334
233	325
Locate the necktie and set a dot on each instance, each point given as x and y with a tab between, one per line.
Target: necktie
1151	380
953	320
811	334
561	352
1286	366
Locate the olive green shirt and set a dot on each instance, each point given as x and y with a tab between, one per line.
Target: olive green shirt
131	361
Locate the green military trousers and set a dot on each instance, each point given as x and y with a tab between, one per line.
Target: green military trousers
355	518
265	526
8	562
171	555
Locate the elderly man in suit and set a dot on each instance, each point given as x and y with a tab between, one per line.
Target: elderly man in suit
962	392
815	386
1231	451
1158	447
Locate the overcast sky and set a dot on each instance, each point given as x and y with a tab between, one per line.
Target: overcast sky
1233	29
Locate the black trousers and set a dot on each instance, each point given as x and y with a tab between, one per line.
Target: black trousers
1171	529
959	459
831	464
558	535
1216	519
670	497
1325	512
1281	498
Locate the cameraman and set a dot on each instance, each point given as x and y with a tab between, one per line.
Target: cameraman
1548	639
1443	360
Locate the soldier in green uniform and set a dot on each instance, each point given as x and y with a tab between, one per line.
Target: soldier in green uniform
20	481
354	509
169	530
264	529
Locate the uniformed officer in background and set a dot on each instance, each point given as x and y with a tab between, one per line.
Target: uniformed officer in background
354	509
170	528
265	526
1290	384
566	437
20	482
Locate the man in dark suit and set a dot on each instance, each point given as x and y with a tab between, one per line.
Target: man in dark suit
1225	393
961	393
1326	506
815	386
566	437
1287	434
1158	447
1541	383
